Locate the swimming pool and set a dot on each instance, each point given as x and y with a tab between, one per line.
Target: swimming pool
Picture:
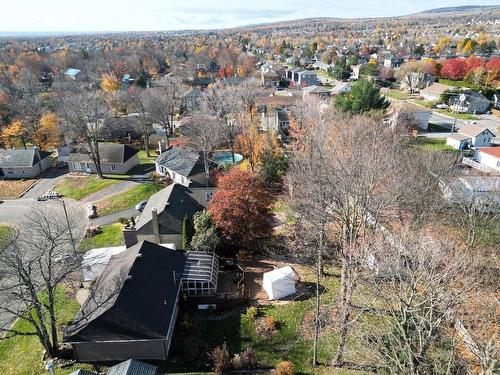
224	157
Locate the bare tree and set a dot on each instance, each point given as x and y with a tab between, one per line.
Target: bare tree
33	265
159	104
225	103
143	120
204	135
83	115
420	282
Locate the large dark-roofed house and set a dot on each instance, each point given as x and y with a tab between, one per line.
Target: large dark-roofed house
132	308
115	159
161	219
183	165
21	163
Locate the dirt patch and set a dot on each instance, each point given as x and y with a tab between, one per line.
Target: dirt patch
12	189
328	318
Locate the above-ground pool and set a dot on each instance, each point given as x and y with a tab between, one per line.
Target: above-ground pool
224	157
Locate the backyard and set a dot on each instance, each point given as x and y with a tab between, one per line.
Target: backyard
433	144
127	199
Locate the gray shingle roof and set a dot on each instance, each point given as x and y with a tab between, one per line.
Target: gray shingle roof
21	157
172	204
110	153
133	298
132	367
181	160
83	372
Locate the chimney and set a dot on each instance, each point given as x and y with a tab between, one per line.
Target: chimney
156	227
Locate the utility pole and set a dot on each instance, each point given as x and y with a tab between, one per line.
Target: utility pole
461	99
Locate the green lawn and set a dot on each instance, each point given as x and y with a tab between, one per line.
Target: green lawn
433	144
397	94
22	355
457	83
79	187
126	199
461	116
5	234
111	236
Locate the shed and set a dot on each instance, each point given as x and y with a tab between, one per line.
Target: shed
280	282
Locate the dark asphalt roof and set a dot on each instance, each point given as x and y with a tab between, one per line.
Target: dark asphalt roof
133	299
83	372
132	367
111	153
181	160
172	204
21	157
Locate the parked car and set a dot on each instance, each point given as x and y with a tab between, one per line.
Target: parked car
140	206
442	106
49	195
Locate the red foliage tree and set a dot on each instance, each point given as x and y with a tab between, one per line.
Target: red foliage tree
240	208
472	63
454	69
493	67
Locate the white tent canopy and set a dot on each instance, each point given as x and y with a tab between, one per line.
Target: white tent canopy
280	282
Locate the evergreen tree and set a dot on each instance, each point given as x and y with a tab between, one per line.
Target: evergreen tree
187	232
341	70
364	97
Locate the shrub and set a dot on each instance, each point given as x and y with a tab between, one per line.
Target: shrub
221	359
285	368
248	358
266	327
251	313
123	220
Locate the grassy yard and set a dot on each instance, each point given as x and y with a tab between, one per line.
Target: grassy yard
433	144
79	187
111	236
5	233
397	94
23	354
453	83
12	189
461	116
292	342
126	199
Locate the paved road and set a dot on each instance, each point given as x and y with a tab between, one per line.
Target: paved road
46	183
488	121
113	218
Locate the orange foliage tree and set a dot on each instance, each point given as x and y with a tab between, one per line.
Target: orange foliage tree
109	83
14	135
47	135
240	208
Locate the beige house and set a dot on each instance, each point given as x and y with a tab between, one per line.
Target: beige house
21	163
115	159
433	92
421	114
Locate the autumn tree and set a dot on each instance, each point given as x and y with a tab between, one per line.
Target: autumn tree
240	208
47	136
14	134
250	141
454	69
109	83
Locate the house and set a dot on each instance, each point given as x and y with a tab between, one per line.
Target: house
129	367
433	92
421	114
291	73
341	88
306	78
482	190
132	308
115	159
355	71
475	102
318	91
162	217
459	141
193	99
479	136
270	79
183	165
74	74
23	163
489	157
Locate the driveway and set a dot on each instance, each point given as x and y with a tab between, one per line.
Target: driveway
114	217
46	183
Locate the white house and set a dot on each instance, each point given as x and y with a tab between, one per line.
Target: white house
459	141
481	137
421	114
280	283
489	156
183	165
433	92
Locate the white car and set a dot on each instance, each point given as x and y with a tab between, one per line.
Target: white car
442	106
140	206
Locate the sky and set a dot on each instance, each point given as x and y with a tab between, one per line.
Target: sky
154	15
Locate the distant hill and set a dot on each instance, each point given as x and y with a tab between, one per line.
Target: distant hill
459	9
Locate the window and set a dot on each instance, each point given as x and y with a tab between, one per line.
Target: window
23	171
10	170
113	167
